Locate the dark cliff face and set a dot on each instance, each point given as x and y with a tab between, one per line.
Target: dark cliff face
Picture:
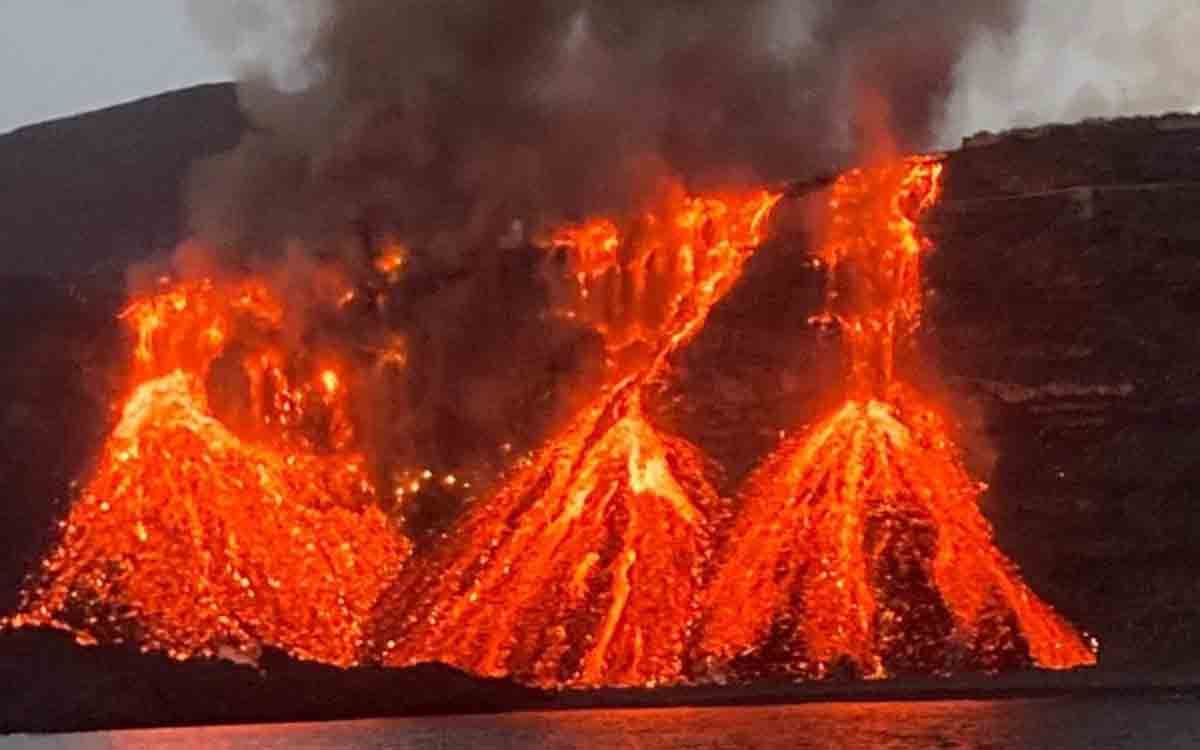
1064	305
1067	306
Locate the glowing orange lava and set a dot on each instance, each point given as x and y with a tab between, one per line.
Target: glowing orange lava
585	567
873	255
194	540
860	543
230	508
391	260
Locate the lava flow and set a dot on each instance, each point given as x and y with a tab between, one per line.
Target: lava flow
194	540
585	567
860	544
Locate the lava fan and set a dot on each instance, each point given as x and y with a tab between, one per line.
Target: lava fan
860	543
585	567
194	540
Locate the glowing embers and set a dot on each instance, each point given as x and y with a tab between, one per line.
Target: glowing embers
861	541
585	567
191	539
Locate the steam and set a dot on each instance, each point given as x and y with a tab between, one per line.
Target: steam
1074	59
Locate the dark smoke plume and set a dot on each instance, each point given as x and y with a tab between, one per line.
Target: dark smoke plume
451	124
446	120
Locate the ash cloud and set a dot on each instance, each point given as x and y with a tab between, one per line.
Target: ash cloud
1075	59
448	119
443	123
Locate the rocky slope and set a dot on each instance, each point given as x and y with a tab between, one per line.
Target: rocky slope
1064	304
1067	309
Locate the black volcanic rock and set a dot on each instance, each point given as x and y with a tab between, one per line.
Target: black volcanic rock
55	686
1108	153
95	192
1071	320
59	346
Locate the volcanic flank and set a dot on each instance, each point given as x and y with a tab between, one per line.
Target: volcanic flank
861	540
585	568
192	539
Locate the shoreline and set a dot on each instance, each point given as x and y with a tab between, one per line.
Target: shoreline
67	688
1034	684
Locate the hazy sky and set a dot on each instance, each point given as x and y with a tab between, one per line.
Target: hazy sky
59	57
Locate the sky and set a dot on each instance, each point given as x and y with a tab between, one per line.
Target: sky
61	57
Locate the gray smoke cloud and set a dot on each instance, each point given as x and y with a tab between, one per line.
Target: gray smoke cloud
1073	59
442	123
445	120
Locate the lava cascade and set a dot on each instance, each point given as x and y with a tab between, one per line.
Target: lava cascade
584	568
860	544
194	539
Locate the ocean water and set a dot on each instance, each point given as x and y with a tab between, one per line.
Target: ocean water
1058	724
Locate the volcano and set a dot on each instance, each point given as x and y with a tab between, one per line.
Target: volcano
585	567
860	544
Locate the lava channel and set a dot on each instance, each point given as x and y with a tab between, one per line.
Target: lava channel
860	547
584	569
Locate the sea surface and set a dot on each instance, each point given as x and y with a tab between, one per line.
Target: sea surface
1058	723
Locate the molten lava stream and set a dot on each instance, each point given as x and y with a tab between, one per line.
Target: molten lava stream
580	570
584	568
192	540
861	541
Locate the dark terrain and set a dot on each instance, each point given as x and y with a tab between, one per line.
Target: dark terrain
114	687
1062	328
65	688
